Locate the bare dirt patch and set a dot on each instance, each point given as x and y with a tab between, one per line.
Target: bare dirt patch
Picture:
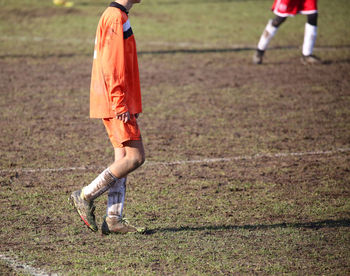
218	99
196	106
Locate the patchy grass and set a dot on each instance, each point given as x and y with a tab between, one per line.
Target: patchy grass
199	220
202	98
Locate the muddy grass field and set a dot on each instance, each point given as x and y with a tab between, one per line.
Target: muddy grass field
247	171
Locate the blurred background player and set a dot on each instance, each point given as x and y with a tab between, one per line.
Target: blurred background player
115	97
283	9
63	3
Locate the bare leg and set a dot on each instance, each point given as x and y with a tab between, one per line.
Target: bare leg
134	157
126	160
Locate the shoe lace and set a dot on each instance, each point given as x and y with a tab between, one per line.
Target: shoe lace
124	221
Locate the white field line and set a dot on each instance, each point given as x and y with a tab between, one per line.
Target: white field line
184	162
22	267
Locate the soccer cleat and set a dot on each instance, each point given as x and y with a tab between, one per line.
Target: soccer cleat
85	209
119	226
258	57
311	59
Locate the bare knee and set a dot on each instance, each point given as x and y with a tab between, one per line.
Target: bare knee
132	159
136	160
135	154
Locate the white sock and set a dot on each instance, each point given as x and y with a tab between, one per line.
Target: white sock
266	36
310	35
100	184
116	197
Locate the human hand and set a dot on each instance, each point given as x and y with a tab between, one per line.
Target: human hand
124	117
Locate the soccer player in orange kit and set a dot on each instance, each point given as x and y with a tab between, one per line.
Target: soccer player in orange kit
283	9
115	97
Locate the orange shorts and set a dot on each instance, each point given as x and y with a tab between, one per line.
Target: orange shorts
120	132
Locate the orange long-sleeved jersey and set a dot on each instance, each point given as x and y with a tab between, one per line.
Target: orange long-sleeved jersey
115	81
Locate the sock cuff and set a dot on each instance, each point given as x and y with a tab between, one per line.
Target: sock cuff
310	30
270	28
308	25
99	185
111	174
